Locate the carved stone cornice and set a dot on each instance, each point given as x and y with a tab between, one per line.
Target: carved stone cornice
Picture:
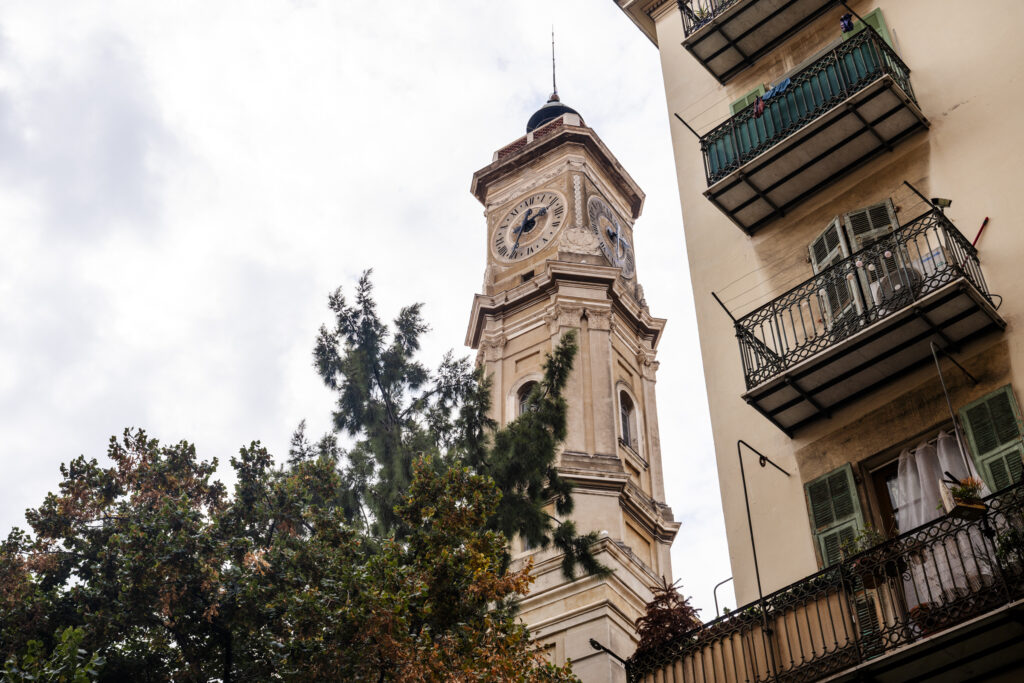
541	289
583	138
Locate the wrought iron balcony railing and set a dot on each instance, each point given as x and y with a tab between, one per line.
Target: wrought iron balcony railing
870	285
831	79
920	583
697	13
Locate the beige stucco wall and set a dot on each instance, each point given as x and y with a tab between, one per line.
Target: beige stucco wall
966	64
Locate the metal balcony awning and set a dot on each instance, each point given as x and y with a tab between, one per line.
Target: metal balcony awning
869	122
728	36
810	389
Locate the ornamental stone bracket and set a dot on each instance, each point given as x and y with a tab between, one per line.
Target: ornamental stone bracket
493	347
648	366
560	316
599	319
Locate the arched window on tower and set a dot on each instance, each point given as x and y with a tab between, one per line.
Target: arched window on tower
627	420
523	396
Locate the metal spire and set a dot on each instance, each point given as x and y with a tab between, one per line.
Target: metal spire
554	84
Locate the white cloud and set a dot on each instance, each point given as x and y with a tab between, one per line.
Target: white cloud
183	184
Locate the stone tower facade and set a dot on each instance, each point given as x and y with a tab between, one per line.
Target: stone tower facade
559	256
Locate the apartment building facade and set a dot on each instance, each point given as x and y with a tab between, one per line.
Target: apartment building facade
848	175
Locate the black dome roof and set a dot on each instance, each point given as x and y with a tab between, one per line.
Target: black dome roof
549	112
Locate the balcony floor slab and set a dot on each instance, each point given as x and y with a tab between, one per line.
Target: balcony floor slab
950	316
748	29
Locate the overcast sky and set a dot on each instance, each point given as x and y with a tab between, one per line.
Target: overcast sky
181	185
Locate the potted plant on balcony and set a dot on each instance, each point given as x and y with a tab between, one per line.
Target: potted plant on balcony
872	568
962	497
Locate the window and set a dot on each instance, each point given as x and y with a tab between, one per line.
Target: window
523	396
747	100
887	495
993	426
834	511
875	20
627	420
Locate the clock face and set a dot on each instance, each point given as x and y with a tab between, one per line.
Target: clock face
529	227
606	225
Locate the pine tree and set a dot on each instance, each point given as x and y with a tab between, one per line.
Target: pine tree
397	410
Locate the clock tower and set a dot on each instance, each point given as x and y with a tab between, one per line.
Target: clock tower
559	243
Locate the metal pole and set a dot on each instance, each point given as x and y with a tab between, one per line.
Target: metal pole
715	593
925	199
601	648
762	460
731	316
686	124
949	403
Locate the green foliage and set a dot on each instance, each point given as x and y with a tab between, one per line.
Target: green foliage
669	615
164	575
67	663
387	561
868	538
396	410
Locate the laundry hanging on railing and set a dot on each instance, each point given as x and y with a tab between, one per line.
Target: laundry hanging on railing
935	578
777	90
846	23
758	107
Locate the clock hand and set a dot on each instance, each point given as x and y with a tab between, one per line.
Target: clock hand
519	236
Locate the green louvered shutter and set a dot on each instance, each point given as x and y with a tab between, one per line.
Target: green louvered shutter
747	100
834	512
835	297
875	20
993	426
868	624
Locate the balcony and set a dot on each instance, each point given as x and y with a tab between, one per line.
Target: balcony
846	107
863	321
942	602
727	36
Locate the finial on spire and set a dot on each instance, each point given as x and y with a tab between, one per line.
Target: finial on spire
554	83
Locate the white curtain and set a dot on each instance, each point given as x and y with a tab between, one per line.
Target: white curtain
945	568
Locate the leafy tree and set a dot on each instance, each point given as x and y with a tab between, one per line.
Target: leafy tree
66	664
162	573
386	561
